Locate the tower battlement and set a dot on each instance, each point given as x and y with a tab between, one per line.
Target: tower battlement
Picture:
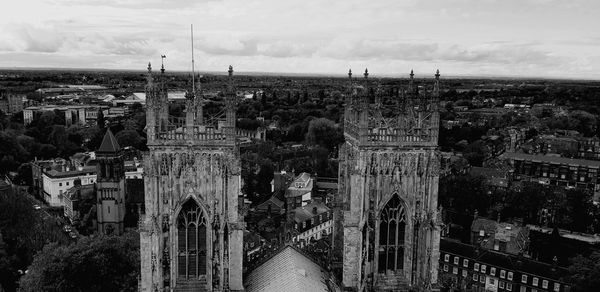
405	118
193	129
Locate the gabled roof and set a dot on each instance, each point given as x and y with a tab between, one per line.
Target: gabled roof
304	213
288	270
109	143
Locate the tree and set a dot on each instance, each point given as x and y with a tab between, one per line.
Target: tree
325	133
584	273
104	263
129	138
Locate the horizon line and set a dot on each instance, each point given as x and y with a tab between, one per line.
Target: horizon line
294	74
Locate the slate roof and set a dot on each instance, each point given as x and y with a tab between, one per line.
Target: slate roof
109	143
552	159
304	213
289	271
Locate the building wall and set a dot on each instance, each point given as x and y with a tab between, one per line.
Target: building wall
368	180
469	273
315	232
55	187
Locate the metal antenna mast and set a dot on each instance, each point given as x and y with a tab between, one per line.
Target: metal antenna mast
193	83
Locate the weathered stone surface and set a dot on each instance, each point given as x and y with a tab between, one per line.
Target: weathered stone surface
382	158
199	166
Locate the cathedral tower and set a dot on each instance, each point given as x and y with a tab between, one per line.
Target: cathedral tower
191	234
386	225
110	186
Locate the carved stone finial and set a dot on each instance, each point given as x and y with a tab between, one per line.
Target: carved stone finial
412	75
366	73
149	67
437	74
350	73
230	70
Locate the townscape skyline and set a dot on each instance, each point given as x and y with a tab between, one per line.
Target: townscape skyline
464	38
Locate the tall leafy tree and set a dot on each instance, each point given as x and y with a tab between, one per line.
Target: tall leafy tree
104	263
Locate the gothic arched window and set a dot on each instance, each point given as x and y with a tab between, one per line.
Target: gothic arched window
191	235
392	223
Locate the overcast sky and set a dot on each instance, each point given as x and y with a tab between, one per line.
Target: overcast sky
546	38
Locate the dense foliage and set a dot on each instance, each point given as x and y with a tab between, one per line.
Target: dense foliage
104	263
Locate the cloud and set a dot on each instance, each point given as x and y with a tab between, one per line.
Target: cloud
38	39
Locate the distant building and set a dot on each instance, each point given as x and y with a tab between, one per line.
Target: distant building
75	200
37	169
281	181
588	148
253	243
73	114
500	236
57	180
272	206
557	171
311	222
10	103
299	193
469	268
134	169
111	186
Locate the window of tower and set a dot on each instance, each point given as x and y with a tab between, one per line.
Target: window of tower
392	224
191	237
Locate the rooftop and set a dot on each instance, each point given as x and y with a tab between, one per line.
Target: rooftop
304	213
109	143
552	159
288	270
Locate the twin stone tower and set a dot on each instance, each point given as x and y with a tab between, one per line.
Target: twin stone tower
386	226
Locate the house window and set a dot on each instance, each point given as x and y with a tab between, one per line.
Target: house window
465	263
476	267
475	277
524	279
312	221
523	289
501	284
67	183
545	284
493	271
482	279
456	260
60	184
108	209
446	257
455	270
534	281
445	268
464	273
492	281
556	287
483	268
508	287
510	276
502	274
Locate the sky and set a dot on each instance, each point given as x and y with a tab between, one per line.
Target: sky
514	38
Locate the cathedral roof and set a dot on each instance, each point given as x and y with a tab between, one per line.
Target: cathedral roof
288	270
109	143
